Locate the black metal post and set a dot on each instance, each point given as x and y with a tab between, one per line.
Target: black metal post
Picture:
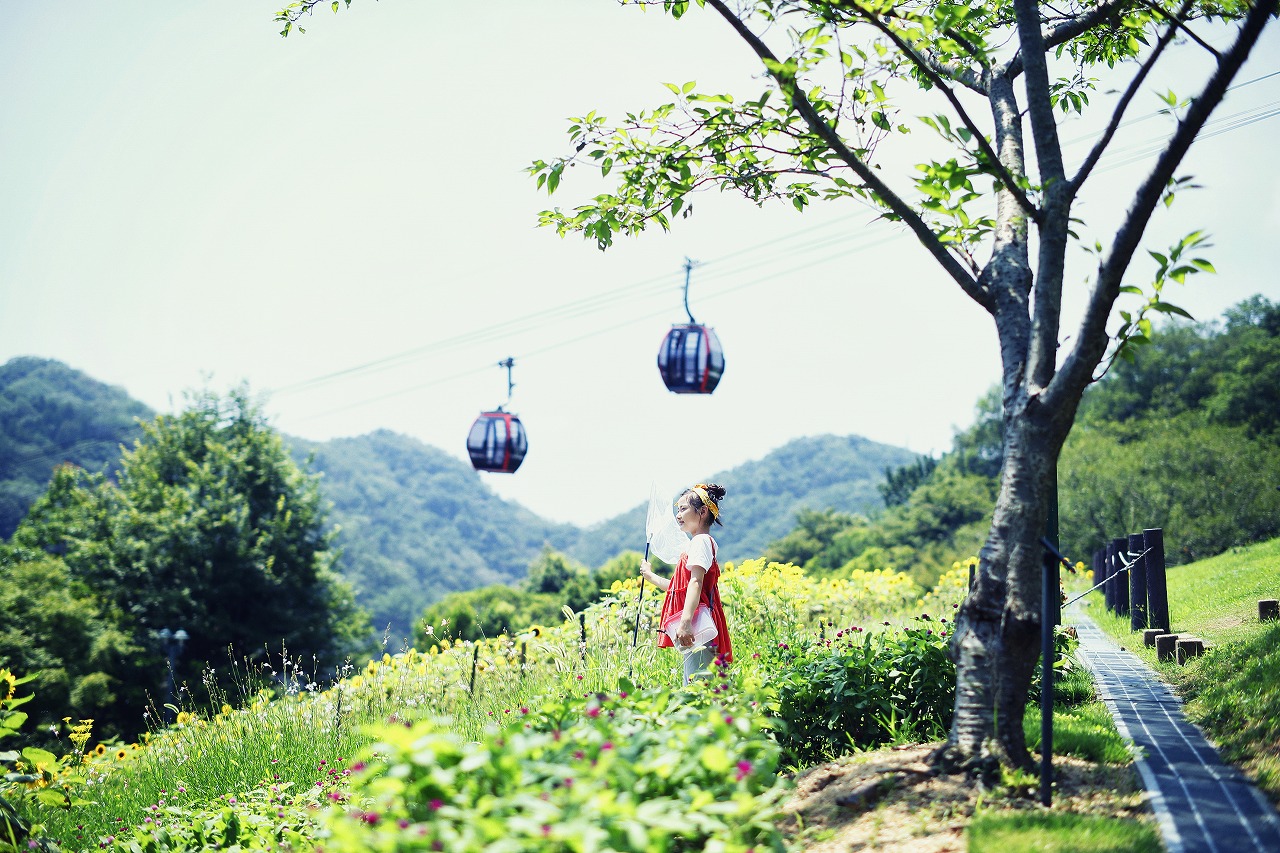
172	642
1050	616
1157	592
1137	583
1049	604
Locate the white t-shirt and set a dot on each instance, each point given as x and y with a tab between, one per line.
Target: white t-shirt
701	551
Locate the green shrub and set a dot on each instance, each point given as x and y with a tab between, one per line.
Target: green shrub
861	689
658	771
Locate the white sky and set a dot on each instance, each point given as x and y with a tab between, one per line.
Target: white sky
186	198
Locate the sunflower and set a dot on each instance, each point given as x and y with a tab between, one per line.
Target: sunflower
121	754
100	749
8	685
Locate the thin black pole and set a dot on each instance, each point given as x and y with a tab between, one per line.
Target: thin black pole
635	632
1048	611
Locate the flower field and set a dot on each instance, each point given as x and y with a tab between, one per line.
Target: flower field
559	737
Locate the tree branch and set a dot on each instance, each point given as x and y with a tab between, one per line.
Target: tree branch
1177	21
822	129
1056	209
1001	172
1068	30
1100	146
1091	342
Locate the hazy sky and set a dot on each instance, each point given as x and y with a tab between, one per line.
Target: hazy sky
342	220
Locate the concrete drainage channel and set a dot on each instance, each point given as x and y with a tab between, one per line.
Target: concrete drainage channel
1201	803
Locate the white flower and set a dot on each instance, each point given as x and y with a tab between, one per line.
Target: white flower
430	630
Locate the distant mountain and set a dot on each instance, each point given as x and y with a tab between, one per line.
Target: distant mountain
414	522
417	524
51	414
763	496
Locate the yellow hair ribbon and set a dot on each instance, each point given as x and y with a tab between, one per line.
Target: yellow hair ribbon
700	489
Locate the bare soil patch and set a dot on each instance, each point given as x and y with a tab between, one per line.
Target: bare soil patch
890	800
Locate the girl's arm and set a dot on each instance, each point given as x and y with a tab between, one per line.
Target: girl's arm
646	572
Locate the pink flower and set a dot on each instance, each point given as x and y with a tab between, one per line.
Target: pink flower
593	711
606	745
744	770
435	805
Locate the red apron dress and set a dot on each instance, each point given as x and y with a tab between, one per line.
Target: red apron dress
673	604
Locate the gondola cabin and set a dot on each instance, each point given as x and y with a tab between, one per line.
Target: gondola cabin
497	442
691	360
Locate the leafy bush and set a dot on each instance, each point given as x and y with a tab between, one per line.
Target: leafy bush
861	689
658	771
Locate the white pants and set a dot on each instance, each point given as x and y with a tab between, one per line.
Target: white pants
697	664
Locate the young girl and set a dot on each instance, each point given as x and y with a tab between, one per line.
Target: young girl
696	580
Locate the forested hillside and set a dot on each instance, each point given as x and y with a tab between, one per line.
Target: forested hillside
820	472
416	523
50	414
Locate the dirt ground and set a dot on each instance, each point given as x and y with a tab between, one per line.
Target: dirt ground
890	800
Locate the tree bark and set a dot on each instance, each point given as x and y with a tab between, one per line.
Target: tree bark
996	642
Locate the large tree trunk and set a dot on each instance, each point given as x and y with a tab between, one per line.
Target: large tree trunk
996	642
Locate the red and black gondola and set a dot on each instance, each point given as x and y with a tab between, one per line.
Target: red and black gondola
497	440
690	359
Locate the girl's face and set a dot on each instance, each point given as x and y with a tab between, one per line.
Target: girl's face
687	517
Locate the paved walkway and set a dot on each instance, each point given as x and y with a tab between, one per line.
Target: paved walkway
1201	803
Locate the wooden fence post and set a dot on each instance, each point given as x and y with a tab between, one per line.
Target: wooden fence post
1137	583
1109	573
1157	590
1121	585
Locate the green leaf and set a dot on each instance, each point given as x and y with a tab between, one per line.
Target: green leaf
688	87
54	798
38	756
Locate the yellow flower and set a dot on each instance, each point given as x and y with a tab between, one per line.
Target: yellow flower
121	754
226	709
100	749
8	685
183	718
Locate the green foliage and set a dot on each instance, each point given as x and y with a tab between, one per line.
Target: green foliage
211	528
49	415
58	629
555	575
860	689
484	613
32	775
943	521
1227	369
814	532
1210	487
269	817
900	482
624	773
979	450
